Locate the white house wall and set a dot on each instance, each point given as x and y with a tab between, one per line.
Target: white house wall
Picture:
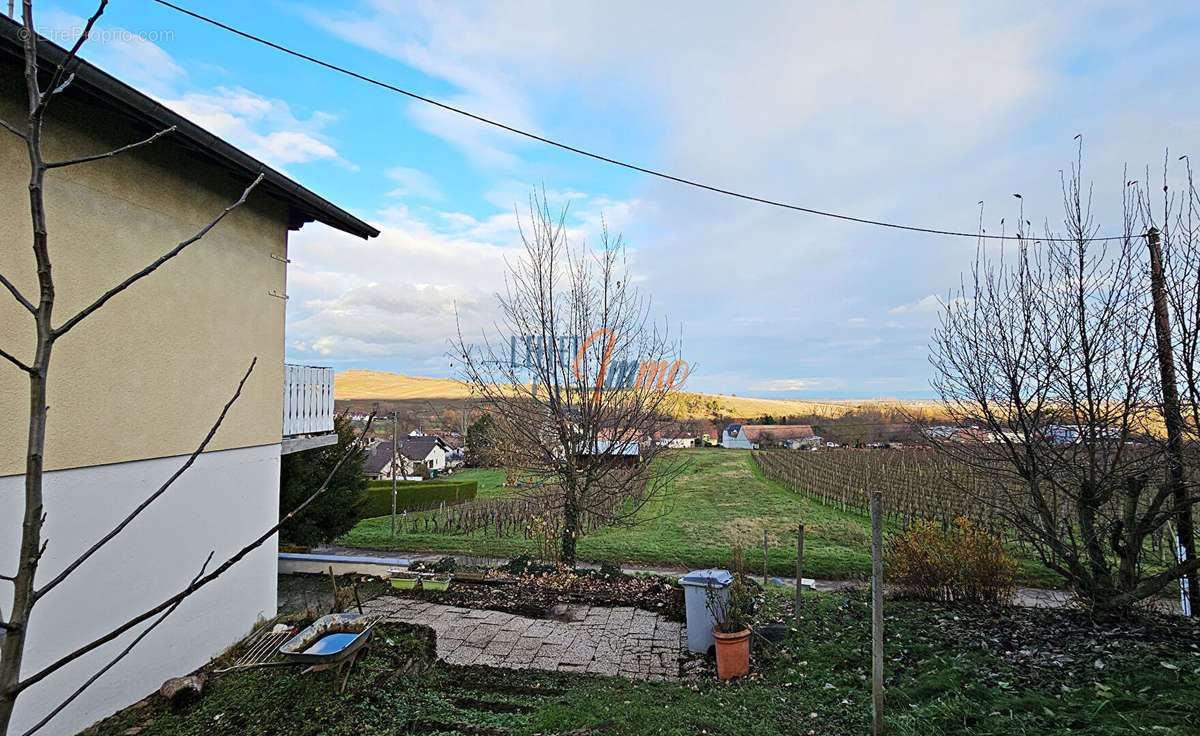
436	460
222	502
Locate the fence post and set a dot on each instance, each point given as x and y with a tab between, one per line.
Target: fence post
765	556
876	613
799	567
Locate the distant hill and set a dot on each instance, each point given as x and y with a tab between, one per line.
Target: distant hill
357	384
361	384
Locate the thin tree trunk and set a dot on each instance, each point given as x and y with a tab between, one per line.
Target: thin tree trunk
570	528
13	649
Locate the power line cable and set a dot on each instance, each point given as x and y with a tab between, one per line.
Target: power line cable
607	159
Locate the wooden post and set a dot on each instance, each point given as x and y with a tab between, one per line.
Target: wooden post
876	613
1172	418
395	421
799	567
766	557
333	582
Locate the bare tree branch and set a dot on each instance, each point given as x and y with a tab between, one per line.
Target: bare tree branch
13	129
15	361
113	662
17	294
192	587
88	310
110	154
66	571
57	83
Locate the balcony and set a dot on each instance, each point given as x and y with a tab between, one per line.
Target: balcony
307	408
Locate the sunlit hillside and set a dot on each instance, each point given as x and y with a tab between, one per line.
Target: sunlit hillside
359	384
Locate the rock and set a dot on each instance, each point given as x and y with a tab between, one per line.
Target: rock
181	690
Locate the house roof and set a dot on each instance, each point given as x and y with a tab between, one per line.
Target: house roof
378	457
418	448
147	116
411	448
609	447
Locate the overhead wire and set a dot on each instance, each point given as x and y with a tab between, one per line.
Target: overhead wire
613	161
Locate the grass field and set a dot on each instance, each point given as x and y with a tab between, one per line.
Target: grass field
983	672
721	499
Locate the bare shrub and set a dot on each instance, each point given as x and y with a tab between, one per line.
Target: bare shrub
961	563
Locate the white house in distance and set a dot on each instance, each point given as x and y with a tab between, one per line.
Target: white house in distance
427	450
135	387
753	436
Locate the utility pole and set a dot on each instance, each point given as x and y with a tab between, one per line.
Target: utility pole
1172	417
395	422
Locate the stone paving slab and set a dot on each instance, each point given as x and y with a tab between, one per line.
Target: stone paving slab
621	641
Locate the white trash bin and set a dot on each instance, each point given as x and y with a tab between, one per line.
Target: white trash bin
700	620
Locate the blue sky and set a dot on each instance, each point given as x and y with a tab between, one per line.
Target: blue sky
911	112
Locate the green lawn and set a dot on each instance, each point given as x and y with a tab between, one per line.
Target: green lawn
982	672
491	482
720	499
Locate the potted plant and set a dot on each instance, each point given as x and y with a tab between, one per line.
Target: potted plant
732	632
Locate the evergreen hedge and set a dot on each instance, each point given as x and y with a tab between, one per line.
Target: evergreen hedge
415	495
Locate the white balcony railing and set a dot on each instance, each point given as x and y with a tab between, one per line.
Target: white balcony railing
307	400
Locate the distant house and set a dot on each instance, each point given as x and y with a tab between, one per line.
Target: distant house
941	432
407	459
677	443
628	454
753	436
981	436
804	443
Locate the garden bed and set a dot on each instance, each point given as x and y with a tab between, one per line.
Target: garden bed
533	589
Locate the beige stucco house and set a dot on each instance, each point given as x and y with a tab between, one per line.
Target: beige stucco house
135	387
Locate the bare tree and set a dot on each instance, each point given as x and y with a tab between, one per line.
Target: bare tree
578	378
1049	350
41	88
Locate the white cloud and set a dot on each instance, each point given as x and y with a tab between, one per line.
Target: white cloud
129	55
403	294
265	127
413	183
909	114
931	303
791	384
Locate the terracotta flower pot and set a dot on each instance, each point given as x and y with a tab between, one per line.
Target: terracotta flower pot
733	653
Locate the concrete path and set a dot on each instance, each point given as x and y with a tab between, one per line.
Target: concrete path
625	642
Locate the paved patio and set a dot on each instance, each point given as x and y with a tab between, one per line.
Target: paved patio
626	642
